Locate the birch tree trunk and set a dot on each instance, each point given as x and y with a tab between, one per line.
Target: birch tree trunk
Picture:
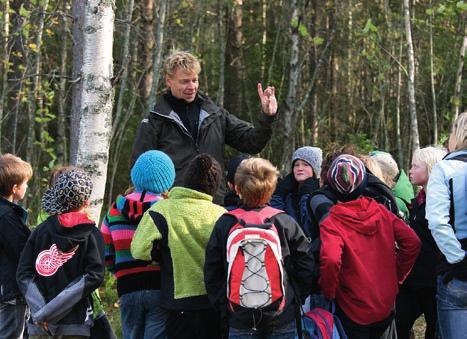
157	54
5	63
96	97
456	100
291	98
411	80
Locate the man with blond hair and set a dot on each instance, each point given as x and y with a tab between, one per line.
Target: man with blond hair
185	122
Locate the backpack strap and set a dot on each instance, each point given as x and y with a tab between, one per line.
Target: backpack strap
252	216
452	221
460	157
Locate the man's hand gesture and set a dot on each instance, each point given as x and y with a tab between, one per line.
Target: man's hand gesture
268	100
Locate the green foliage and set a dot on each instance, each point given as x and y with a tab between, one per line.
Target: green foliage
362	143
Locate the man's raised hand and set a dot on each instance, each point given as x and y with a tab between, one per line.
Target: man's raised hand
268	100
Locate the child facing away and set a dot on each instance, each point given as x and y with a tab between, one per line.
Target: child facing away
359	265
396	179
63	261
255	182
417	294
176	231
14	176
138	281
101	329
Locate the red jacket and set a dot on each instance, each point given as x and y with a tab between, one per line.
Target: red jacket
359	266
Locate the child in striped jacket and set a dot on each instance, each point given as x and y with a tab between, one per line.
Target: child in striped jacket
138	281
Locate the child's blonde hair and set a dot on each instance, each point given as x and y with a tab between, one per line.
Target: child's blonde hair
459	132
181	60
429	156
13	171
255	181
388	166
372	166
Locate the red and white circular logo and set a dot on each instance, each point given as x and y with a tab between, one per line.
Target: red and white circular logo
49	261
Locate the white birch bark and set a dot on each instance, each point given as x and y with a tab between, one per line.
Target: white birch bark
95	123
411	80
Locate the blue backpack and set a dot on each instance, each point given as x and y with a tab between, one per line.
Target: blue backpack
319	323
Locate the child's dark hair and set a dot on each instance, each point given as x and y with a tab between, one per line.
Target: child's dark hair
56	173
203	174
332	154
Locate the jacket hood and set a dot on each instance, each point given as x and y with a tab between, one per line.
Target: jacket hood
135	204
361	215
403	188
71	229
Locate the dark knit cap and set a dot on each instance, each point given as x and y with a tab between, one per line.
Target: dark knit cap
233	165
347	177
203	174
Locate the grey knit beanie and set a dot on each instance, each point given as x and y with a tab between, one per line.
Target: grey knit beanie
312	155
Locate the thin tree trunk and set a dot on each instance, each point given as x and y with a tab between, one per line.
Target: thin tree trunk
411	80
314	119
119	135
290	109
400	154
350	62
36	99
5	63
78	11
221	35
148	34
157	53
264	36
457	89
96	97
125	63
62	155
432	78
234	87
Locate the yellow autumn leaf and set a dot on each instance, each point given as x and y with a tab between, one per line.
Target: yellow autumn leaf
33	46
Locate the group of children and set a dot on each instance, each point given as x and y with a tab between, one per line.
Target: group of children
333	230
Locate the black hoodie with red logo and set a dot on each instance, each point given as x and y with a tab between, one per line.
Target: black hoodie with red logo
61	264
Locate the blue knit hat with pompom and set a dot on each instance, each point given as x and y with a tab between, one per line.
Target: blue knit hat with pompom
153	171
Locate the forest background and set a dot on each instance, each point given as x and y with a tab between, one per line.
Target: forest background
381	74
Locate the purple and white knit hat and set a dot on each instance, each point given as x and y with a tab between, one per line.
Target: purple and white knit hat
347	177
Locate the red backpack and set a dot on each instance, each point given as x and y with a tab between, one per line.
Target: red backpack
255	274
